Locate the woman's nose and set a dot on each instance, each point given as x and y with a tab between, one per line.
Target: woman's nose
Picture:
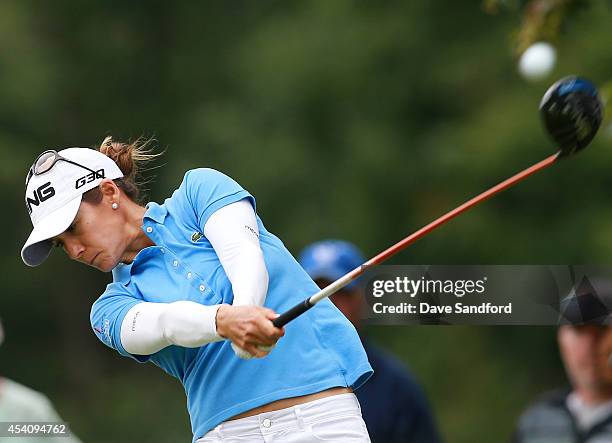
73	248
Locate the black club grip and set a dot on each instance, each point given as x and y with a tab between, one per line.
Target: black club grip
292	313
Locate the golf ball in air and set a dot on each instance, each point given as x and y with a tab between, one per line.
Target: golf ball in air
537	61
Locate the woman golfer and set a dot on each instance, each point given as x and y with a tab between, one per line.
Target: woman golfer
196	283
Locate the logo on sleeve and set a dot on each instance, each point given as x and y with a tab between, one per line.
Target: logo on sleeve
104	331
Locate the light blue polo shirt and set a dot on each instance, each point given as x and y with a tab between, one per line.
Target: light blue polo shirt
320	349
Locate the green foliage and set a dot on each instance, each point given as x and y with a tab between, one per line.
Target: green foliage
542	20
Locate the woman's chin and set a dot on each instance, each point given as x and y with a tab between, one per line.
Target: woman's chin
105	267
104	264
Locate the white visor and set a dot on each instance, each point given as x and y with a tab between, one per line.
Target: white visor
53	198
38	246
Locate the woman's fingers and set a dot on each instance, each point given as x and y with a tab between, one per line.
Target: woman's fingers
259	335
251	330
271	329
241	353
251	350
260	329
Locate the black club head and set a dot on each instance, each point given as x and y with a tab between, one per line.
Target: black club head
572	112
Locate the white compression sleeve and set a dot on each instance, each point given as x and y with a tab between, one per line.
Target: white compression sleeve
150	327
233	232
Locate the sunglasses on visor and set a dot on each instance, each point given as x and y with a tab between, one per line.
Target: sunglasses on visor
47	160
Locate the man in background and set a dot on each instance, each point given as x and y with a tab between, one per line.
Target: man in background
582	412
21	404
393	405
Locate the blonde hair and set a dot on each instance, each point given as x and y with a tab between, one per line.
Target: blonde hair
131	158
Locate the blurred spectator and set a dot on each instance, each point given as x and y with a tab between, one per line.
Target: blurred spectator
20	404
393	405
582	412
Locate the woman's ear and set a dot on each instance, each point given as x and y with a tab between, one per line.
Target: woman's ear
110	191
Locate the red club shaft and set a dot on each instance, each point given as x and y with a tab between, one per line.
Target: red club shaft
401	245
387	253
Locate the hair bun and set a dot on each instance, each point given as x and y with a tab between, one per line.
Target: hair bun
130	158
120	153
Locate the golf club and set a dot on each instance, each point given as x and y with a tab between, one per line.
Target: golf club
572	112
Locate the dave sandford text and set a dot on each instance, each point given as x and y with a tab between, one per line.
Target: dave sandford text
405	286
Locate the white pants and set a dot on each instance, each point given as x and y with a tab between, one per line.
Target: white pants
331	419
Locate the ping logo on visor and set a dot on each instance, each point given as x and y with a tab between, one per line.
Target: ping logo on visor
43	193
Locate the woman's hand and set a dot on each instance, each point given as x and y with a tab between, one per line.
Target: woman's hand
249	328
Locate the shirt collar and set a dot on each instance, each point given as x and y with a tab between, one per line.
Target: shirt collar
156	212
123	271
587	416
